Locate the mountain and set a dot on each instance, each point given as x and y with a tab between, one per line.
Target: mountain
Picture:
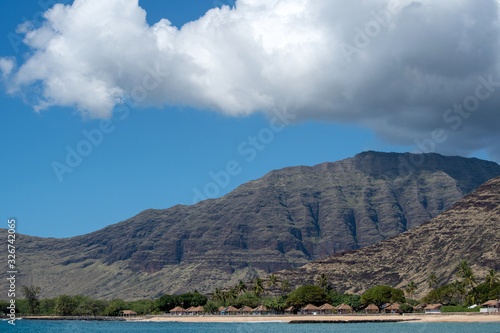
469	230
284	219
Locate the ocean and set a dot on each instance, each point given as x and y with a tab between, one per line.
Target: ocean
34	326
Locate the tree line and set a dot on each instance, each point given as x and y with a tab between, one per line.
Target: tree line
275	295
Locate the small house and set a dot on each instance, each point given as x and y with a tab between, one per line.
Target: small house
309	309
128	313
433	308
289	310
393	308
343	309
177	311
260	310
196	310
372	308
326	309
246	310
222	309
490	306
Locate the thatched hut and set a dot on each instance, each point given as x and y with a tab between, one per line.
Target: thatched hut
260	310
326	309
246	310
309	309
343	309
178	311
128	313
372	308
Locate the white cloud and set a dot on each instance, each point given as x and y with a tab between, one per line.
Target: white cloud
6	66
394	66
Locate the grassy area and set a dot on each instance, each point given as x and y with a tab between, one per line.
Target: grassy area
459	308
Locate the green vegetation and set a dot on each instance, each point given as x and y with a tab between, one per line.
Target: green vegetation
307	295
382	294
354	301
459	308
455	297
31	295
465	291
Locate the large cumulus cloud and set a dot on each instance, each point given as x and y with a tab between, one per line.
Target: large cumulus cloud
403	68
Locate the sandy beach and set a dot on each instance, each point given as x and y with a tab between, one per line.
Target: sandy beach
443	318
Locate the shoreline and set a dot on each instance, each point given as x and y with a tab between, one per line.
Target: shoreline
334	319
293	319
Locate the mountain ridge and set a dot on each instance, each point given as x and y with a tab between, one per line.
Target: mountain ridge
284	219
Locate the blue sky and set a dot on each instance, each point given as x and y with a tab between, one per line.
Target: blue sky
151	156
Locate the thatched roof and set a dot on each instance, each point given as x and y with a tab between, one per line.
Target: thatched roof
343	307
246	309
433	307
196	309
222	308
394	306
232	309
177	309
260	308
190	309
372	307
129	312
327	307
310	307
289	309
493	302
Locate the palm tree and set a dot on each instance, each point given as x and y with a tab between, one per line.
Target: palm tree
323	281
273	281
491	278
218	296
410	289
458	290
462	267
285	286
241	287
258	288
232	294
432	280
469	279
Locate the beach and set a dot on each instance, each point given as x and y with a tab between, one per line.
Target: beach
427	318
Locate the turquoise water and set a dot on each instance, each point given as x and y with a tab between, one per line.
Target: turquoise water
28	326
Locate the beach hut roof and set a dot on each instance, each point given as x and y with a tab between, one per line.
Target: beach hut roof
129	312
433	307
232	309
222	308
177	309
372	307
197	309
326	307
493	302
343	307
394	306
246	309
190	309
310	307
289	309
260	308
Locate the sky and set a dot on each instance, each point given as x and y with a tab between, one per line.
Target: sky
112	107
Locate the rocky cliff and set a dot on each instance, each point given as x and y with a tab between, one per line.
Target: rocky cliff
282	220
469	230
